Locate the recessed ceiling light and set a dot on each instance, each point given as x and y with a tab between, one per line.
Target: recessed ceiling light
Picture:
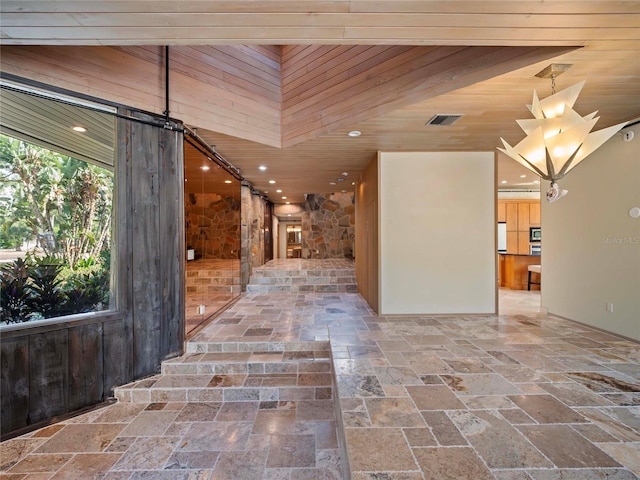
503	181
228	181
262	168
354	133
288	203
353	183
205	168
278	191
523	176
344	191
536	181
266	191
332	183
345	174
284	198
79	128
272	182
288	214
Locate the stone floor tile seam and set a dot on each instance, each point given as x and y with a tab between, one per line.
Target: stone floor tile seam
549	352
454	447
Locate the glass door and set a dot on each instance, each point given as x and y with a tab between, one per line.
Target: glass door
212	230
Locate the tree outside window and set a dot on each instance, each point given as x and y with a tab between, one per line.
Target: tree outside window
55	214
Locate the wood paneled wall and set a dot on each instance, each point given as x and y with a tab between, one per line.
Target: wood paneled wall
367	249
228	89
51	370
325	88
274	96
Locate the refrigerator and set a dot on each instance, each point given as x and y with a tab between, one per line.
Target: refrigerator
502	237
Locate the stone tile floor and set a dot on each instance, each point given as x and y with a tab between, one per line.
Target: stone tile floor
510	397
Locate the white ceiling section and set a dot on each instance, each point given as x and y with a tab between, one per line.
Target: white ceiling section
602	40
49	123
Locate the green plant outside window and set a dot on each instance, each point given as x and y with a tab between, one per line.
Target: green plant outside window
58	209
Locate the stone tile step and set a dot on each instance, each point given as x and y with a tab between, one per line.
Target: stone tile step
205	346
211	282
256	363
205	289
269	272
212	273
301	280
327	288
227	388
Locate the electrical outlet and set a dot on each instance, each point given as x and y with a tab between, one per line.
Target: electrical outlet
609	307
201	309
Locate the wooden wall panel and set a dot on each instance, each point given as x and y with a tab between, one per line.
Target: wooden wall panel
117	354
243	91
171	242
352	84
86	385
229	89
51	370
145	262
156	255
14	383
48	375
367	249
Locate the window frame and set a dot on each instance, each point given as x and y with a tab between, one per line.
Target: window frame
115	310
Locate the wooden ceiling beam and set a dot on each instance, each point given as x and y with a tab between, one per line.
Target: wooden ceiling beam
490	7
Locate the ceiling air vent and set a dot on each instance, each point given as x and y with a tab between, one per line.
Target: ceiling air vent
444	119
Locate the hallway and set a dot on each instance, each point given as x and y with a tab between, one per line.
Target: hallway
509	397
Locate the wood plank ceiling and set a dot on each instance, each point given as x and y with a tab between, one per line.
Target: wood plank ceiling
287	79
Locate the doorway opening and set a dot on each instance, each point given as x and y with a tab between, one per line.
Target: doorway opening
289	238
519	239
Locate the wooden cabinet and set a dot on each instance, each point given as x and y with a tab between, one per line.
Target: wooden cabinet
519	215
512	242
523	243
502	212
534	214
515	270
523	217
511	217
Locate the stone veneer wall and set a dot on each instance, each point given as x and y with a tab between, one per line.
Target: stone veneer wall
328	225
252	234
211	225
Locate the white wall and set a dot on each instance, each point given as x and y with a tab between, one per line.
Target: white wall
591	246
437	232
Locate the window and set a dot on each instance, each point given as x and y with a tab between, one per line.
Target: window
56	203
